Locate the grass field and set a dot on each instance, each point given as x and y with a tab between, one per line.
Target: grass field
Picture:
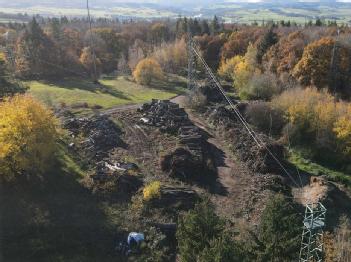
111	91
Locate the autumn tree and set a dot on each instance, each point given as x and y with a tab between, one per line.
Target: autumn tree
27	137
283	56
159	33
321	63
147	71
36	54
90	63
172	57
8	86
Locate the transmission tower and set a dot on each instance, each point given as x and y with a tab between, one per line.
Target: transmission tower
92	44
191	63
312	235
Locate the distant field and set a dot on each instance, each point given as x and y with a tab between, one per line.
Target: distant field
298	12
111	92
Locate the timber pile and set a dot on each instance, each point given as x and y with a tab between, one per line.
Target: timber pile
181	163
165	115
175	197
257	158
192	138
100	133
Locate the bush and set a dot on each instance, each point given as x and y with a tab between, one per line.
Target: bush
27	137
196	100
315	119
147	71
265	118
152	191
261	86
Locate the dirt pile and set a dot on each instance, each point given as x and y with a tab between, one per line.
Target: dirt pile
257	157
99	134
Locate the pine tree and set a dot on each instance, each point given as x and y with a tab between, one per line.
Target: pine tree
279	231
205	28
36	54
269	39
215	26
201	237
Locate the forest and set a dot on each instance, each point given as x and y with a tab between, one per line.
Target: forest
193	181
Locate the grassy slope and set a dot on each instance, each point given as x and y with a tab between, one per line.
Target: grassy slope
111	92
316	169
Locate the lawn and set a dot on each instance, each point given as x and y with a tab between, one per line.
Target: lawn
112	91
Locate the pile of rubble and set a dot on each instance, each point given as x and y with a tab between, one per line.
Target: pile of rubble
258	158
100	133
168	116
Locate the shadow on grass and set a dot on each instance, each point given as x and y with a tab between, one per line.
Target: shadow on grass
86	85
53	220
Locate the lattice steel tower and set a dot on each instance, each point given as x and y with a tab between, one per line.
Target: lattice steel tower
312	236
191	63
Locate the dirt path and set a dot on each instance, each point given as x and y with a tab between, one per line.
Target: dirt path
243	197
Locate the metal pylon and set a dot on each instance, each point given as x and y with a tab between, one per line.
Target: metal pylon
191	64
312	235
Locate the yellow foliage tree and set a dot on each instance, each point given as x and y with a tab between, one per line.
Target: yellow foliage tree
342	128
317	117
27	137
227	68
152	191
87	60
147	70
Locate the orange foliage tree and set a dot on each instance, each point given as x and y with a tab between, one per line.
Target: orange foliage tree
325	63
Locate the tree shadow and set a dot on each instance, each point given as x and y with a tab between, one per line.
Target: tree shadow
86	85
55	219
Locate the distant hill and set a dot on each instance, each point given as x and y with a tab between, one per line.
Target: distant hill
241	11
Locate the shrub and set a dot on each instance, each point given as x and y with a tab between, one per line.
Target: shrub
265	118
261	86
316	119
196	100
152	191
27	137
147	70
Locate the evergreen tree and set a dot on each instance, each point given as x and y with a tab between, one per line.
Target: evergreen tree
8	87
270	38
201	237
279	231
205	28
215	26
36	53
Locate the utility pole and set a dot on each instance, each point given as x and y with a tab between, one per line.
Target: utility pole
95	78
